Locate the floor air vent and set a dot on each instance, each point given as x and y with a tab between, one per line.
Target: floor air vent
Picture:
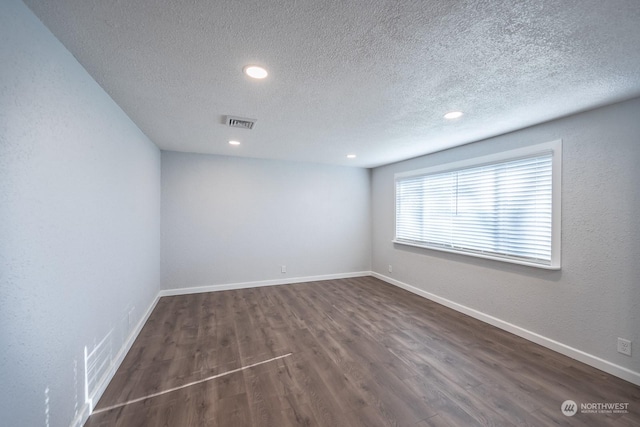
240	122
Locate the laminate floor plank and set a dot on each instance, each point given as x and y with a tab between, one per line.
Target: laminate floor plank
234	411
266	403
299	415
326	409
349	352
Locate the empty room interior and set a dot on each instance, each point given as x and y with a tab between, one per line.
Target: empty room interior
319	213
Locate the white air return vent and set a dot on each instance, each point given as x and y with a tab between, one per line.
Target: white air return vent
240	122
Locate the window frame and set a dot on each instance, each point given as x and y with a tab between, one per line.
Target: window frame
555	147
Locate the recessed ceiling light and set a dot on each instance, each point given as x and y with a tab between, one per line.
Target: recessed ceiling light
234	142
351	156
453	115
255	72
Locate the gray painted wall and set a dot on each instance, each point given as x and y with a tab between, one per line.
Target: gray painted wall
80	227
595	298
230	220
79	223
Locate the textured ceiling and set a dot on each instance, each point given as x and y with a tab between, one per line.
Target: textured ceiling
367	77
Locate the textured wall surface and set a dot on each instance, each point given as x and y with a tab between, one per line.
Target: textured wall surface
79	224
595	298
80	206
229	220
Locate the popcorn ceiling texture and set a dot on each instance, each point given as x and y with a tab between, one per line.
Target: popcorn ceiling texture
370	77
80	184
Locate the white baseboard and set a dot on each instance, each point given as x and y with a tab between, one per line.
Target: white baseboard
82	416
88	406
596	362
574	353
257	284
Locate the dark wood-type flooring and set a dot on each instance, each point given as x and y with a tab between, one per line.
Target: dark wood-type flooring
364	353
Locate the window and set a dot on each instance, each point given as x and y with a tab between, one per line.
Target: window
504	207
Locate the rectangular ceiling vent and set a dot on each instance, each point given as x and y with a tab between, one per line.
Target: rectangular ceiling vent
240	122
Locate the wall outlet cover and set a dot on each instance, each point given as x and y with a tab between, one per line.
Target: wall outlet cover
624	346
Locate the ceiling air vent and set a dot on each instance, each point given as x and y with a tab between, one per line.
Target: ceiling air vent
240	122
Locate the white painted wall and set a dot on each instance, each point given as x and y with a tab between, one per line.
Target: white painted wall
79	223
595	298
229	220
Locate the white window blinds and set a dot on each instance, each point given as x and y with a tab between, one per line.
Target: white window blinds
500	210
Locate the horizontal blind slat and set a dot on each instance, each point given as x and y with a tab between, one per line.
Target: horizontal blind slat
503	208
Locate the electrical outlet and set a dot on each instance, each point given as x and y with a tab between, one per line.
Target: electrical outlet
624	346
390	268
283	269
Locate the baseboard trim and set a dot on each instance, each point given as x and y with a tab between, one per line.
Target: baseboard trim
574	353
87	408
258	284
579	355
82	416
